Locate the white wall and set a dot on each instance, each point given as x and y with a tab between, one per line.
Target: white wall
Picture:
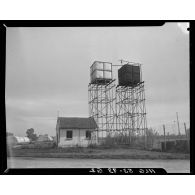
78	138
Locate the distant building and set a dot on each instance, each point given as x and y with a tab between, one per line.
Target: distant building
43	138
15	140
71	131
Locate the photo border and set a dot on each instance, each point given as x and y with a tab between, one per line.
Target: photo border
78	23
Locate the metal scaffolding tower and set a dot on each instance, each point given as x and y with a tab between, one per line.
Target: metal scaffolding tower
119	111
131	111
102	106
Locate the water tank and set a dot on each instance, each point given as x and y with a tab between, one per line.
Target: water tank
129	75
101	72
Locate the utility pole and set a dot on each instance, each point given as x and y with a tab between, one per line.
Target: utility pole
57	130
178	124
187	137
164	138
174	124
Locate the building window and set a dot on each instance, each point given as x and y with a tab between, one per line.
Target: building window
68	134
88	134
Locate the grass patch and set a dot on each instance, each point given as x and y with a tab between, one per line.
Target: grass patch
95	153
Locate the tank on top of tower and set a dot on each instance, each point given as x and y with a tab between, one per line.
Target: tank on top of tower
101	72
129	75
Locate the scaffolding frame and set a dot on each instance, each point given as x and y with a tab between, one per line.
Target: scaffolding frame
102	106
131	111
119	111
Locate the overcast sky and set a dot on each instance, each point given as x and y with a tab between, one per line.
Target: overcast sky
47	69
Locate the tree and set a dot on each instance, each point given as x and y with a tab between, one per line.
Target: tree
31	135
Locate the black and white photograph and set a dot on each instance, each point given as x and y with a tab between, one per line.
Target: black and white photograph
99	97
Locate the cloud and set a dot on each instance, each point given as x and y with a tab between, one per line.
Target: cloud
47	70
41	114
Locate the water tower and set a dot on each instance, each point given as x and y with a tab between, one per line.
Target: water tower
119	110
101	97
130	101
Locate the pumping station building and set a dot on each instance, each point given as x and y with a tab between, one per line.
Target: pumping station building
72	131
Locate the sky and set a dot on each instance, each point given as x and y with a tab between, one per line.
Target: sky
48	70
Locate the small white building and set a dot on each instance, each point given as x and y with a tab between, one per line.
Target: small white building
71	132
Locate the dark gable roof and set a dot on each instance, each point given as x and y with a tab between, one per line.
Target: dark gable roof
76	123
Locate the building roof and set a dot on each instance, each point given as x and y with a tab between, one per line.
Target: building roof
76	123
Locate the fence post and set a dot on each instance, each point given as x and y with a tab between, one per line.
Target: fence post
187	136
145	138
179	133
164	137
129	137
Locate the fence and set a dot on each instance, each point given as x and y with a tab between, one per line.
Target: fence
170	137
166	137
